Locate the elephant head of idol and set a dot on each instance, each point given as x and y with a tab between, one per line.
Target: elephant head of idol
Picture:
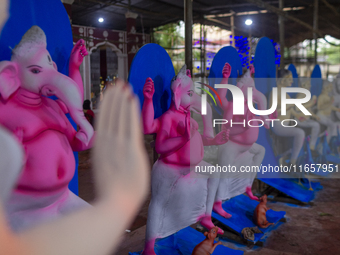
32	68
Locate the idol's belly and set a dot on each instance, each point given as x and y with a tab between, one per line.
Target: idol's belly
50	163
190	154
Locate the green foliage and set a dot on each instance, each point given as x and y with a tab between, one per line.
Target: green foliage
330	52
196	53
169	37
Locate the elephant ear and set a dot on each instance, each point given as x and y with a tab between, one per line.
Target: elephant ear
9	80
176	85
176	90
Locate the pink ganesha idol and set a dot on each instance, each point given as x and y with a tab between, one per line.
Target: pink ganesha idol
42	193
180	196
242	149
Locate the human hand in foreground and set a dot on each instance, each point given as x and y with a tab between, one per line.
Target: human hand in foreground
119	154
121	178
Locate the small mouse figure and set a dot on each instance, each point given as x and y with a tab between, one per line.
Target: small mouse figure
261	209
207	246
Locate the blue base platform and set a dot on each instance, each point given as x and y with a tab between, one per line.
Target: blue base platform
324	173
242	209
315	186
291	188
183	243
333	159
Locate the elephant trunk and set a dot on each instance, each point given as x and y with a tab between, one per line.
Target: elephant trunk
67	91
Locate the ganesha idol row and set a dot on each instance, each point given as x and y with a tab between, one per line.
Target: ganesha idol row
320	107
39	215
181	194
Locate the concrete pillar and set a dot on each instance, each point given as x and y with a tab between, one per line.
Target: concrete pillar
132	48
122	66
87	77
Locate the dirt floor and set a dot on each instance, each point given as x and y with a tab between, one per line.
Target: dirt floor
308	230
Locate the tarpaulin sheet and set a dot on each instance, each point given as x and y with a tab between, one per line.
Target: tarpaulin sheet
291	188
315	185
242	209
183	243
334	159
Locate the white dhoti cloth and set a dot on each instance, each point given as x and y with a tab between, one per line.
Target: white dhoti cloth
331	125
180	197
25	211
235	183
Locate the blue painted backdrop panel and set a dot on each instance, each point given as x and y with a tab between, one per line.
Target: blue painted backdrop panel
316	81
153	61
226	54
51	17
265	67
295	75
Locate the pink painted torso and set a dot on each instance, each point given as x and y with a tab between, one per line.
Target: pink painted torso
45	132
192	152
239	134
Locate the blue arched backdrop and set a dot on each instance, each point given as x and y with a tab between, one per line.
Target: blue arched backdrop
265	74
226	54
51	17
153	61
316	81
295	75
265	67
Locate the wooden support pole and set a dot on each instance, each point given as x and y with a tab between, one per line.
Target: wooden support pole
282	35
204	50
232	24
315	27
188	33
201	51
249	44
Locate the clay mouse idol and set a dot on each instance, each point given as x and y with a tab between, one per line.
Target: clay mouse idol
261	209
207	246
